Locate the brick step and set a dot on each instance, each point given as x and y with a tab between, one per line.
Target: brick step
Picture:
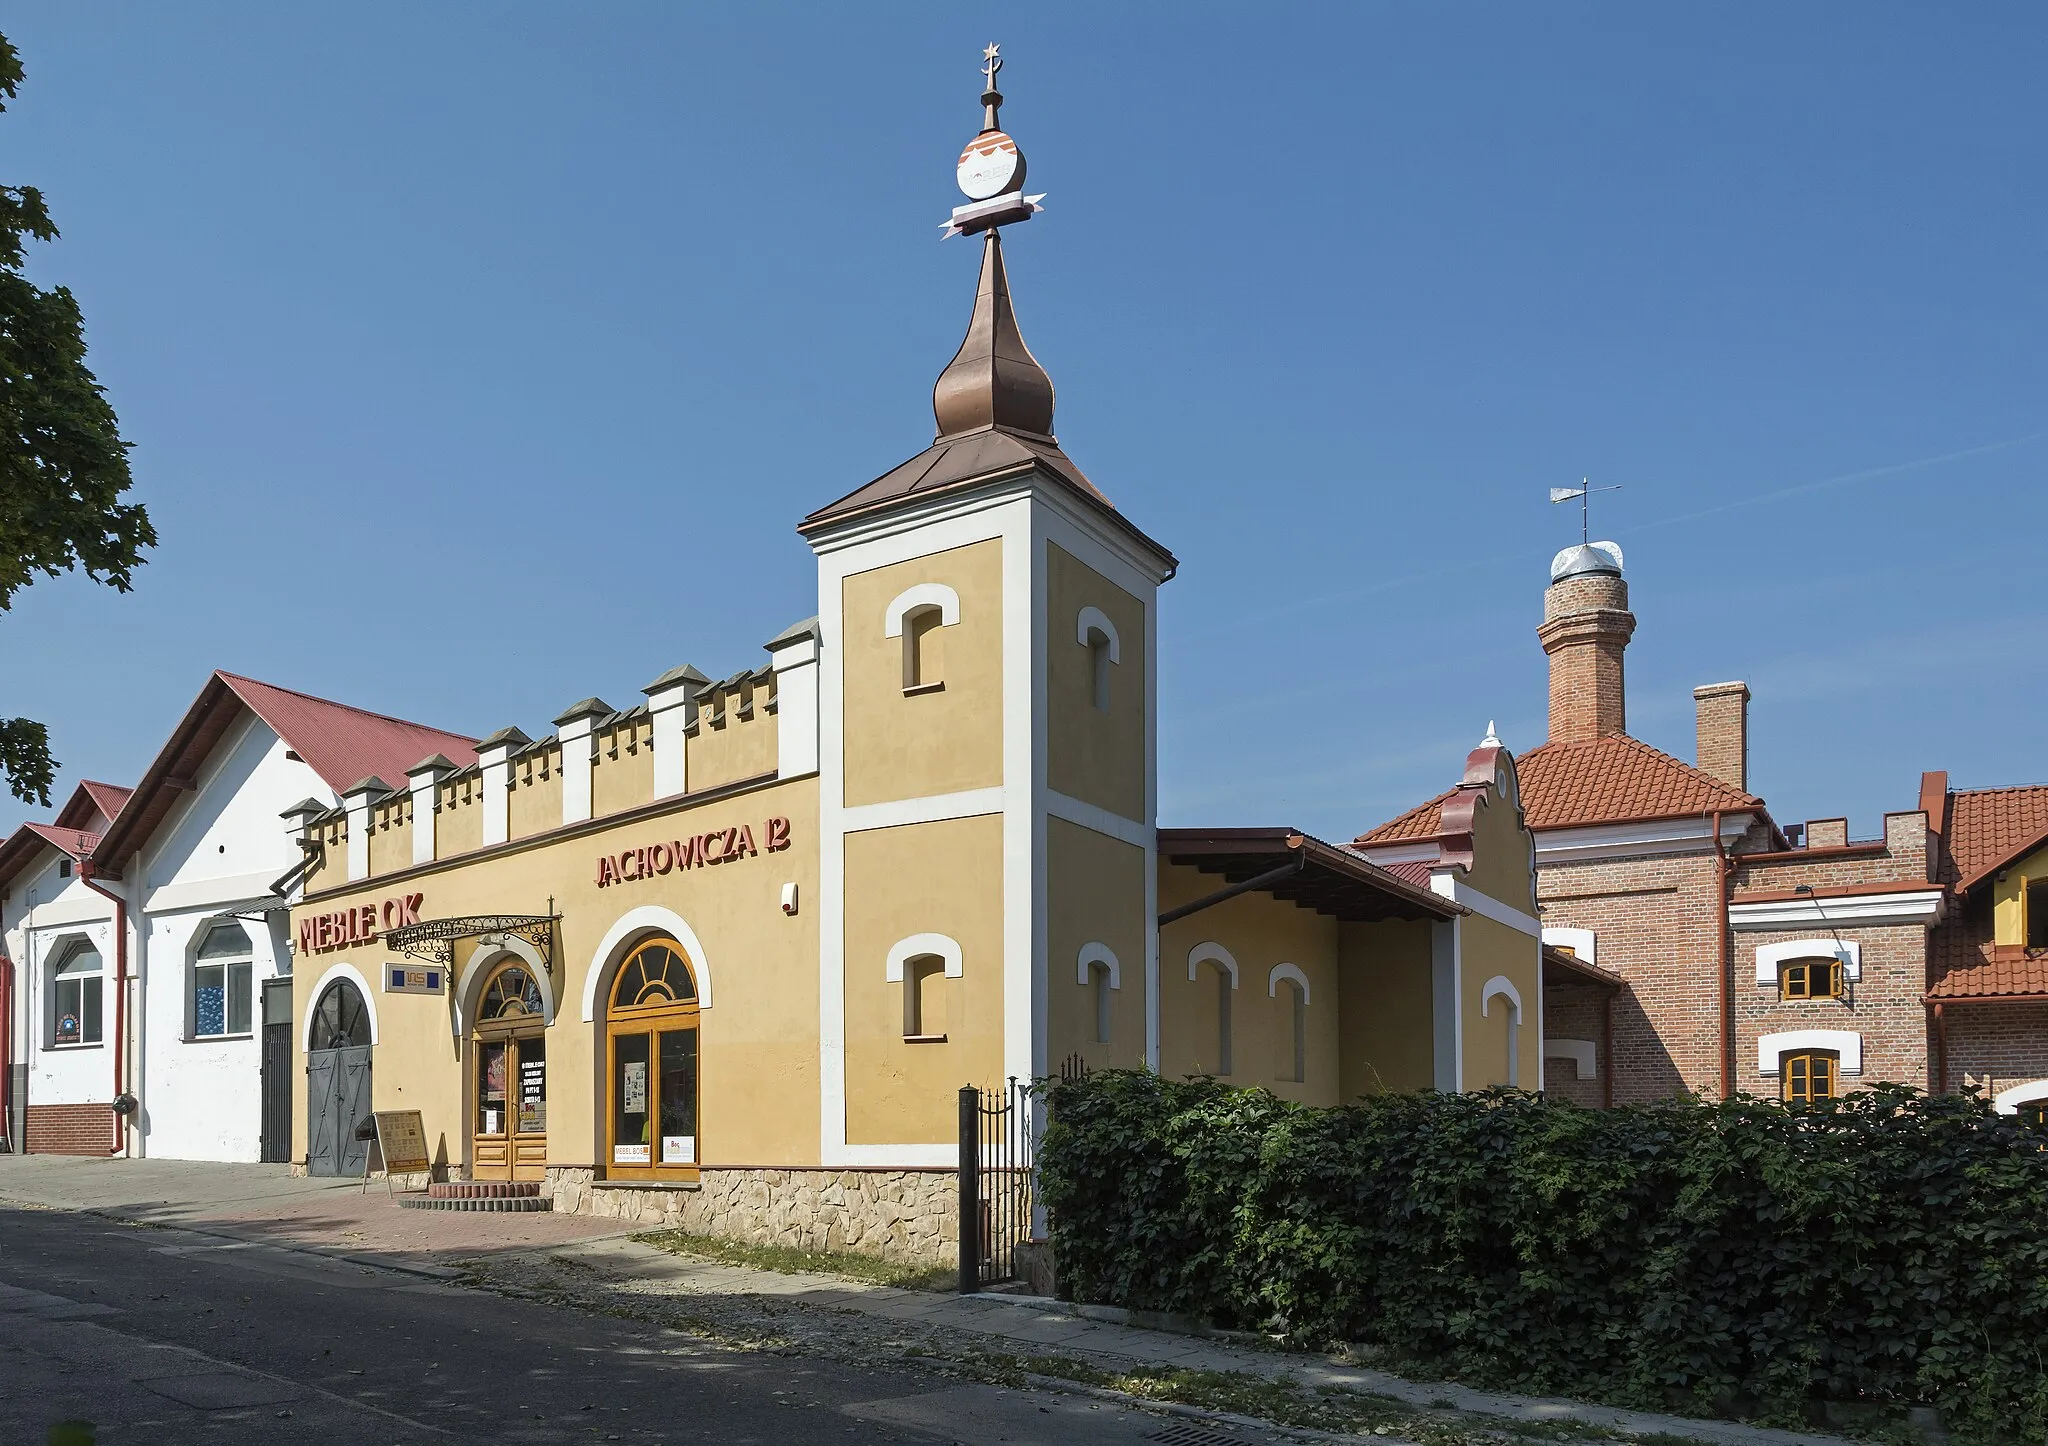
511	1204
482	1189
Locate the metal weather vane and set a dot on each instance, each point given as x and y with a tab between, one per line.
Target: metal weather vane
990	171
1582	492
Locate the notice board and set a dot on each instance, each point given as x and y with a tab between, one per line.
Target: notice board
402	1141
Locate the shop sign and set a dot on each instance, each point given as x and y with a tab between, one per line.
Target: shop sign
319	933
533	1096
720	846
402	1141
411	979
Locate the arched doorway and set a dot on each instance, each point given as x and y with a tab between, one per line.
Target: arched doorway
651	1043
508	1050
337	1082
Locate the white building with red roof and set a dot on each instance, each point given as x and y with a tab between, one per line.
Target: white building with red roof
146	927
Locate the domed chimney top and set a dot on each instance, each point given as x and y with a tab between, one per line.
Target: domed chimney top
1586	557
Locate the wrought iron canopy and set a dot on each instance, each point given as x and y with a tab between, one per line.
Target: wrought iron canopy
434	939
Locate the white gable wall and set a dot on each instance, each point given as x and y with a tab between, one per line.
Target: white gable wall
215	855
43	913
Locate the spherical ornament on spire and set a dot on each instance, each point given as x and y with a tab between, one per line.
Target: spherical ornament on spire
989	166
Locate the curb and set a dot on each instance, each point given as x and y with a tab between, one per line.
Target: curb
430	1272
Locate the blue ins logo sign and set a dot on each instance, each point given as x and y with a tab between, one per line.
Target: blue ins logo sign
409	979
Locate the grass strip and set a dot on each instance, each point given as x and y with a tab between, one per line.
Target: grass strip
788	1260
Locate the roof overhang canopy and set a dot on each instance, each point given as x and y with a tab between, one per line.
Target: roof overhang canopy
1331	880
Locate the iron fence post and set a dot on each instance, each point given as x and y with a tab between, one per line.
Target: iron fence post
970	1190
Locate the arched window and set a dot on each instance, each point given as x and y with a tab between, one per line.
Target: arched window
339	1019
916	615
924	668
924	999
1811	1075
1105	1002
512	993
651	1026
1811	979
1503	988
75	995
1097	634
221	987
1290	986
1225	966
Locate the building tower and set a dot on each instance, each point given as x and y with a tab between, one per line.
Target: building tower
987	738
1586	627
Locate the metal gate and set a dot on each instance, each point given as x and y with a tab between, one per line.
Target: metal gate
337	1100
995	1182
277	1071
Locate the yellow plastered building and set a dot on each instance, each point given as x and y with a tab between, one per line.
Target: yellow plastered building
726	958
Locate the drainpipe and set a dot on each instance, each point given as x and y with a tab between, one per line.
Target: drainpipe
1726	962
1940	1050
87	876
7	1054
1607	1050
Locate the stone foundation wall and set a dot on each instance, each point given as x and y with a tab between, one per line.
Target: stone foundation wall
907	1215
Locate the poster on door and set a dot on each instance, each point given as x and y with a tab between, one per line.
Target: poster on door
533	1096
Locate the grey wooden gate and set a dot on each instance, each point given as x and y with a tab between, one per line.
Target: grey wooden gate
338	1083
277	1066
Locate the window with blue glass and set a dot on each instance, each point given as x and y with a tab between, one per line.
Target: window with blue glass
221	983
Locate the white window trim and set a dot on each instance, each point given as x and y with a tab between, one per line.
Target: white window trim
1211	952
1772	958
1096	952
917	946
1583	1054
628	930
913	599
195	963
2008	1102
1502	987
1580	941
1772	1048
1288	971
334	972
1094	620
55	951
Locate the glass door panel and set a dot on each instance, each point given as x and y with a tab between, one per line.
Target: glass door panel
533	1086
631	1117
679	1097
490	1087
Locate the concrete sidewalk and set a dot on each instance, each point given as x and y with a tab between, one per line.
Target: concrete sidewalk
268	1203
1098	1336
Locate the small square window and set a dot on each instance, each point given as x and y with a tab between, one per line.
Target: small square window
1811	1076
1811	979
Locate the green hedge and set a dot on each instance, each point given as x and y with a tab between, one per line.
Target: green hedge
1885	1248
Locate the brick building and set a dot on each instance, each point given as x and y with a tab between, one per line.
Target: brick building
1754	957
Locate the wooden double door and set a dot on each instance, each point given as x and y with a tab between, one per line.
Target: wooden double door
510	1139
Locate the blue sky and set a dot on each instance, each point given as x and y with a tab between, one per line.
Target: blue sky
481	358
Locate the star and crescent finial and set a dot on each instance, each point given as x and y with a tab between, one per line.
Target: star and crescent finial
992	63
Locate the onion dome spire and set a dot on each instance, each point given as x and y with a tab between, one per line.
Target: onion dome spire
993	381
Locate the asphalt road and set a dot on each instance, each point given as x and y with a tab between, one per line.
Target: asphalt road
172	1337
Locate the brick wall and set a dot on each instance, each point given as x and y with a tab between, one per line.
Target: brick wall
69	1129
1886	1006
1586	626
1576	1011
1721	733
1996	1045
1656	923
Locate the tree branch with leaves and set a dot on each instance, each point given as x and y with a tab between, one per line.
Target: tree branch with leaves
63	463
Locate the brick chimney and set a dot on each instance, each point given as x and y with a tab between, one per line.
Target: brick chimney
1724	732
1586	625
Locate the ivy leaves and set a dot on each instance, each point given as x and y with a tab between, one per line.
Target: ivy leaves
1744	1256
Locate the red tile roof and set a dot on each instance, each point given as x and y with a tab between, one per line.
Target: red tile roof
1992	978
1989	828
77	842
343	744
109	797
1616	779
1416	873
